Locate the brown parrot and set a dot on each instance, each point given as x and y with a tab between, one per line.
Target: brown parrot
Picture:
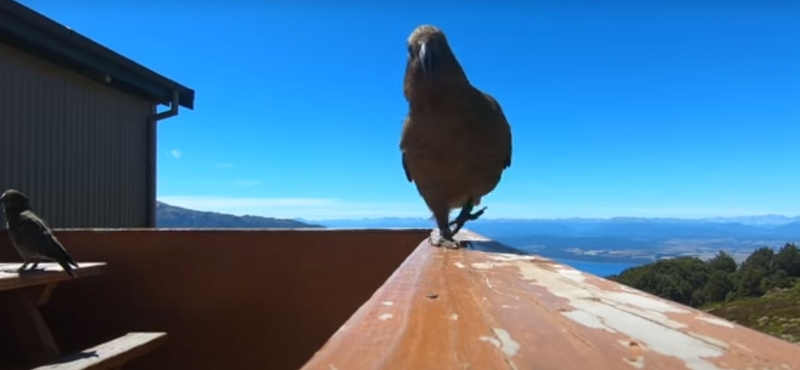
31	235
456	141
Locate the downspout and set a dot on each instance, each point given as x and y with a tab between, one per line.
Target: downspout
150	191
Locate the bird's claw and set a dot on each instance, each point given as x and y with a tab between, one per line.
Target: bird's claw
439	241
460	221
476	215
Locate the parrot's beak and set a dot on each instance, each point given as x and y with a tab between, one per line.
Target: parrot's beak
426	59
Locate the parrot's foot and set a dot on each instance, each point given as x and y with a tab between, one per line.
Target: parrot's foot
463	217
22	268
437	240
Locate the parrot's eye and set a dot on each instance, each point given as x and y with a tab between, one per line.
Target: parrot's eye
410	50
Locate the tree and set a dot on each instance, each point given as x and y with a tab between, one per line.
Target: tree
788	259
762	258
679	279
749	284
717	288
778	279
722	262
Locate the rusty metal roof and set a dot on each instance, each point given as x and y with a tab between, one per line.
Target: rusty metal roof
470	309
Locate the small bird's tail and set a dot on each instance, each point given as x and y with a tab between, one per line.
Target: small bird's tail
66	266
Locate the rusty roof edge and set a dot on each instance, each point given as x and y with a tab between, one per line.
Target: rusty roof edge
467	308
31	31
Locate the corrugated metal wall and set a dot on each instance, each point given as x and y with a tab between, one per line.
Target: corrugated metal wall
76	147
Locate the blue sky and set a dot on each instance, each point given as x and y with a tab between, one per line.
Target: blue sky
689	109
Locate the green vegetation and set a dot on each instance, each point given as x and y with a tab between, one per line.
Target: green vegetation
762	293
776	313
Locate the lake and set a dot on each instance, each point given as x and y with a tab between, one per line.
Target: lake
601	269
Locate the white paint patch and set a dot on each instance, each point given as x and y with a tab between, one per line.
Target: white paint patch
509	257
491	287
571	274
637	362
508	345
717	321
711	340
385	316
454	317
460	265
491	340
387	303
587	320
482	266
638	316
508	306
628	289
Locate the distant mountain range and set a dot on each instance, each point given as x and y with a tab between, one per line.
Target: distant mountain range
652	229
621	239
169	216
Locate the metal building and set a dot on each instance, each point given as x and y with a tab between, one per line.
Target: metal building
77	124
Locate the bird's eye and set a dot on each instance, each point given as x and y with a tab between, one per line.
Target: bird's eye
410	50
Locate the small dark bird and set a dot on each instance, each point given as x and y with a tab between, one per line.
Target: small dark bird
31	235
456	141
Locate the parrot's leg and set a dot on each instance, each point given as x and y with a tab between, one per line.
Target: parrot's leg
465	216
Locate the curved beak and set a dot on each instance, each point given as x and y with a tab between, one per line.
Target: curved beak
426	58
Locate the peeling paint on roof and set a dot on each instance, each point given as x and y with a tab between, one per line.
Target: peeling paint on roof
494	341
508	345
482	266
637	316
562	319
588	320
637	362
387	303
503	341
716	321
459	265
386	316
711	340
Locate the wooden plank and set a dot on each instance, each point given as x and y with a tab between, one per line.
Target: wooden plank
110	355
472	309
29	328
44	274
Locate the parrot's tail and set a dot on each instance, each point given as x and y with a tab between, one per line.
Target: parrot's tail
65	265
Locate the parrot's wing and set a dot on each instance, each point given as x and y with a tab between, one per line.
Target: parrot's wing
34	231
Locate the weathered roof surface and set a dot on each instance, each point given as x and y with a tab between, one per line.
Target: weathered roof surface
34	33
468	309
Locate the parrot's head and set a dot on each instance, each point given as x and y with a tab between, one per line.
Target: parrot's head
14	200
430	57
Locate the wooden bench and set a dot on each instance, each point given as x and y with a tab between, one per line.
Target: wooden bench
21	305
109	355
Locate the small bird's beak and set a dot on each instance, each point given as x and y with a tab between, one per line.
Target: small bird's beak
426	59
